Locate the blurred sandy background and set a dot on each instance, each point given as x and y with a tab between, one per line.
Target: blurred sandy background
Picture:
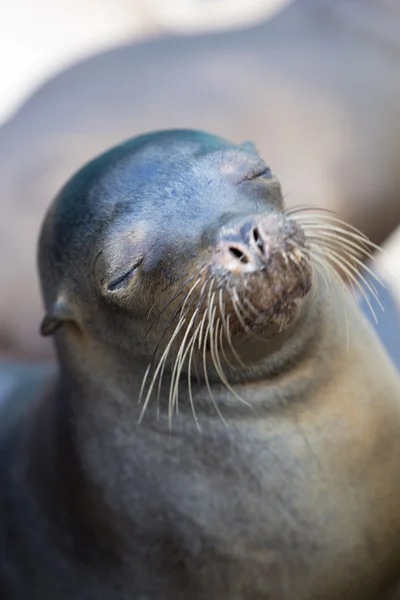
40	37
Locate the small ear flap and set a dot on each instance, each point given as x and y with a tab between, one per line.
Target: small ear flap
49	325
250	147
59	313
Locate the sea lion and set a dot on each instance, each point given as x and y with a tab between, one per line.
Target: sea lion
320	79
224	422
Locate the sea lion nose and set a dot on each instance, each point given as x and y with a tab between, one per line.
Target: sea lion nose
244	248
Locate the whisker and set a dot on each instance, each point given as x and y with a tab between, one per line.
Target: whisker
238	314
242	314
174	281
173	395
325	265
211	283
180	310
321	215
221	346
353	268
206	372
220	370
349	245
334	228
170	322
191	346
333	245
225	322
162	359
179	292
256	313
176	375
351	277
296	261
305	255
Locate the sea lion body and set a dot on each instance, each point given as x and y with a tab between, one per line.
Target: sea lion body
284	485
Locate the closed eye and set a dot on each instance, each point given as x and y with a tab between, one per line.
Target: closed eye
122	280
263	172
258	171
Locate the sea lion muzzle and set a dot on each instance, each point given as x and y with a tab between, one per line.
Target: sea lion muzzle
251	245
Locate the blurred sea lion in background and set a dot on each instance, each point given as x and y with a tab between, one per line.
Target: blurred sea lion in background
317	88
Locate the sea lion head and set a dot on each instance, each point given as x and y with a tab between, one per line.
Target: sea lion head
173	244
167	211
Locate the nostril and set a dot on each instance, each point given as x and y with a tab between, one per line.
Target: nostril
258	240
238	254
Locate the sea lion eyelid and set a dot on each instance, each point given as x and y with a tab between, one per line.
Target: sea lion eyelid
263	171
120	281
258	171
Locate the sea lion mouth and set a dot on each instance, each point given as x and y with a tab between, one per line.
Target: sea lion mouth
263	268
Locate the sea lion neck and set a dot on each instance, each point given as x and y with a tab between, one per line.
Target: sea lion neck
112	383
99	420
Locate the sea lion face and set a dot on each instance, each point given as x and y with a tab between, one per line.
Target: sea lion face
175	226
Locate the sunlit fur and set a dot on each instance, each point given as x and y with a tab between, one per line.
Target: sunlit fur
206	307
